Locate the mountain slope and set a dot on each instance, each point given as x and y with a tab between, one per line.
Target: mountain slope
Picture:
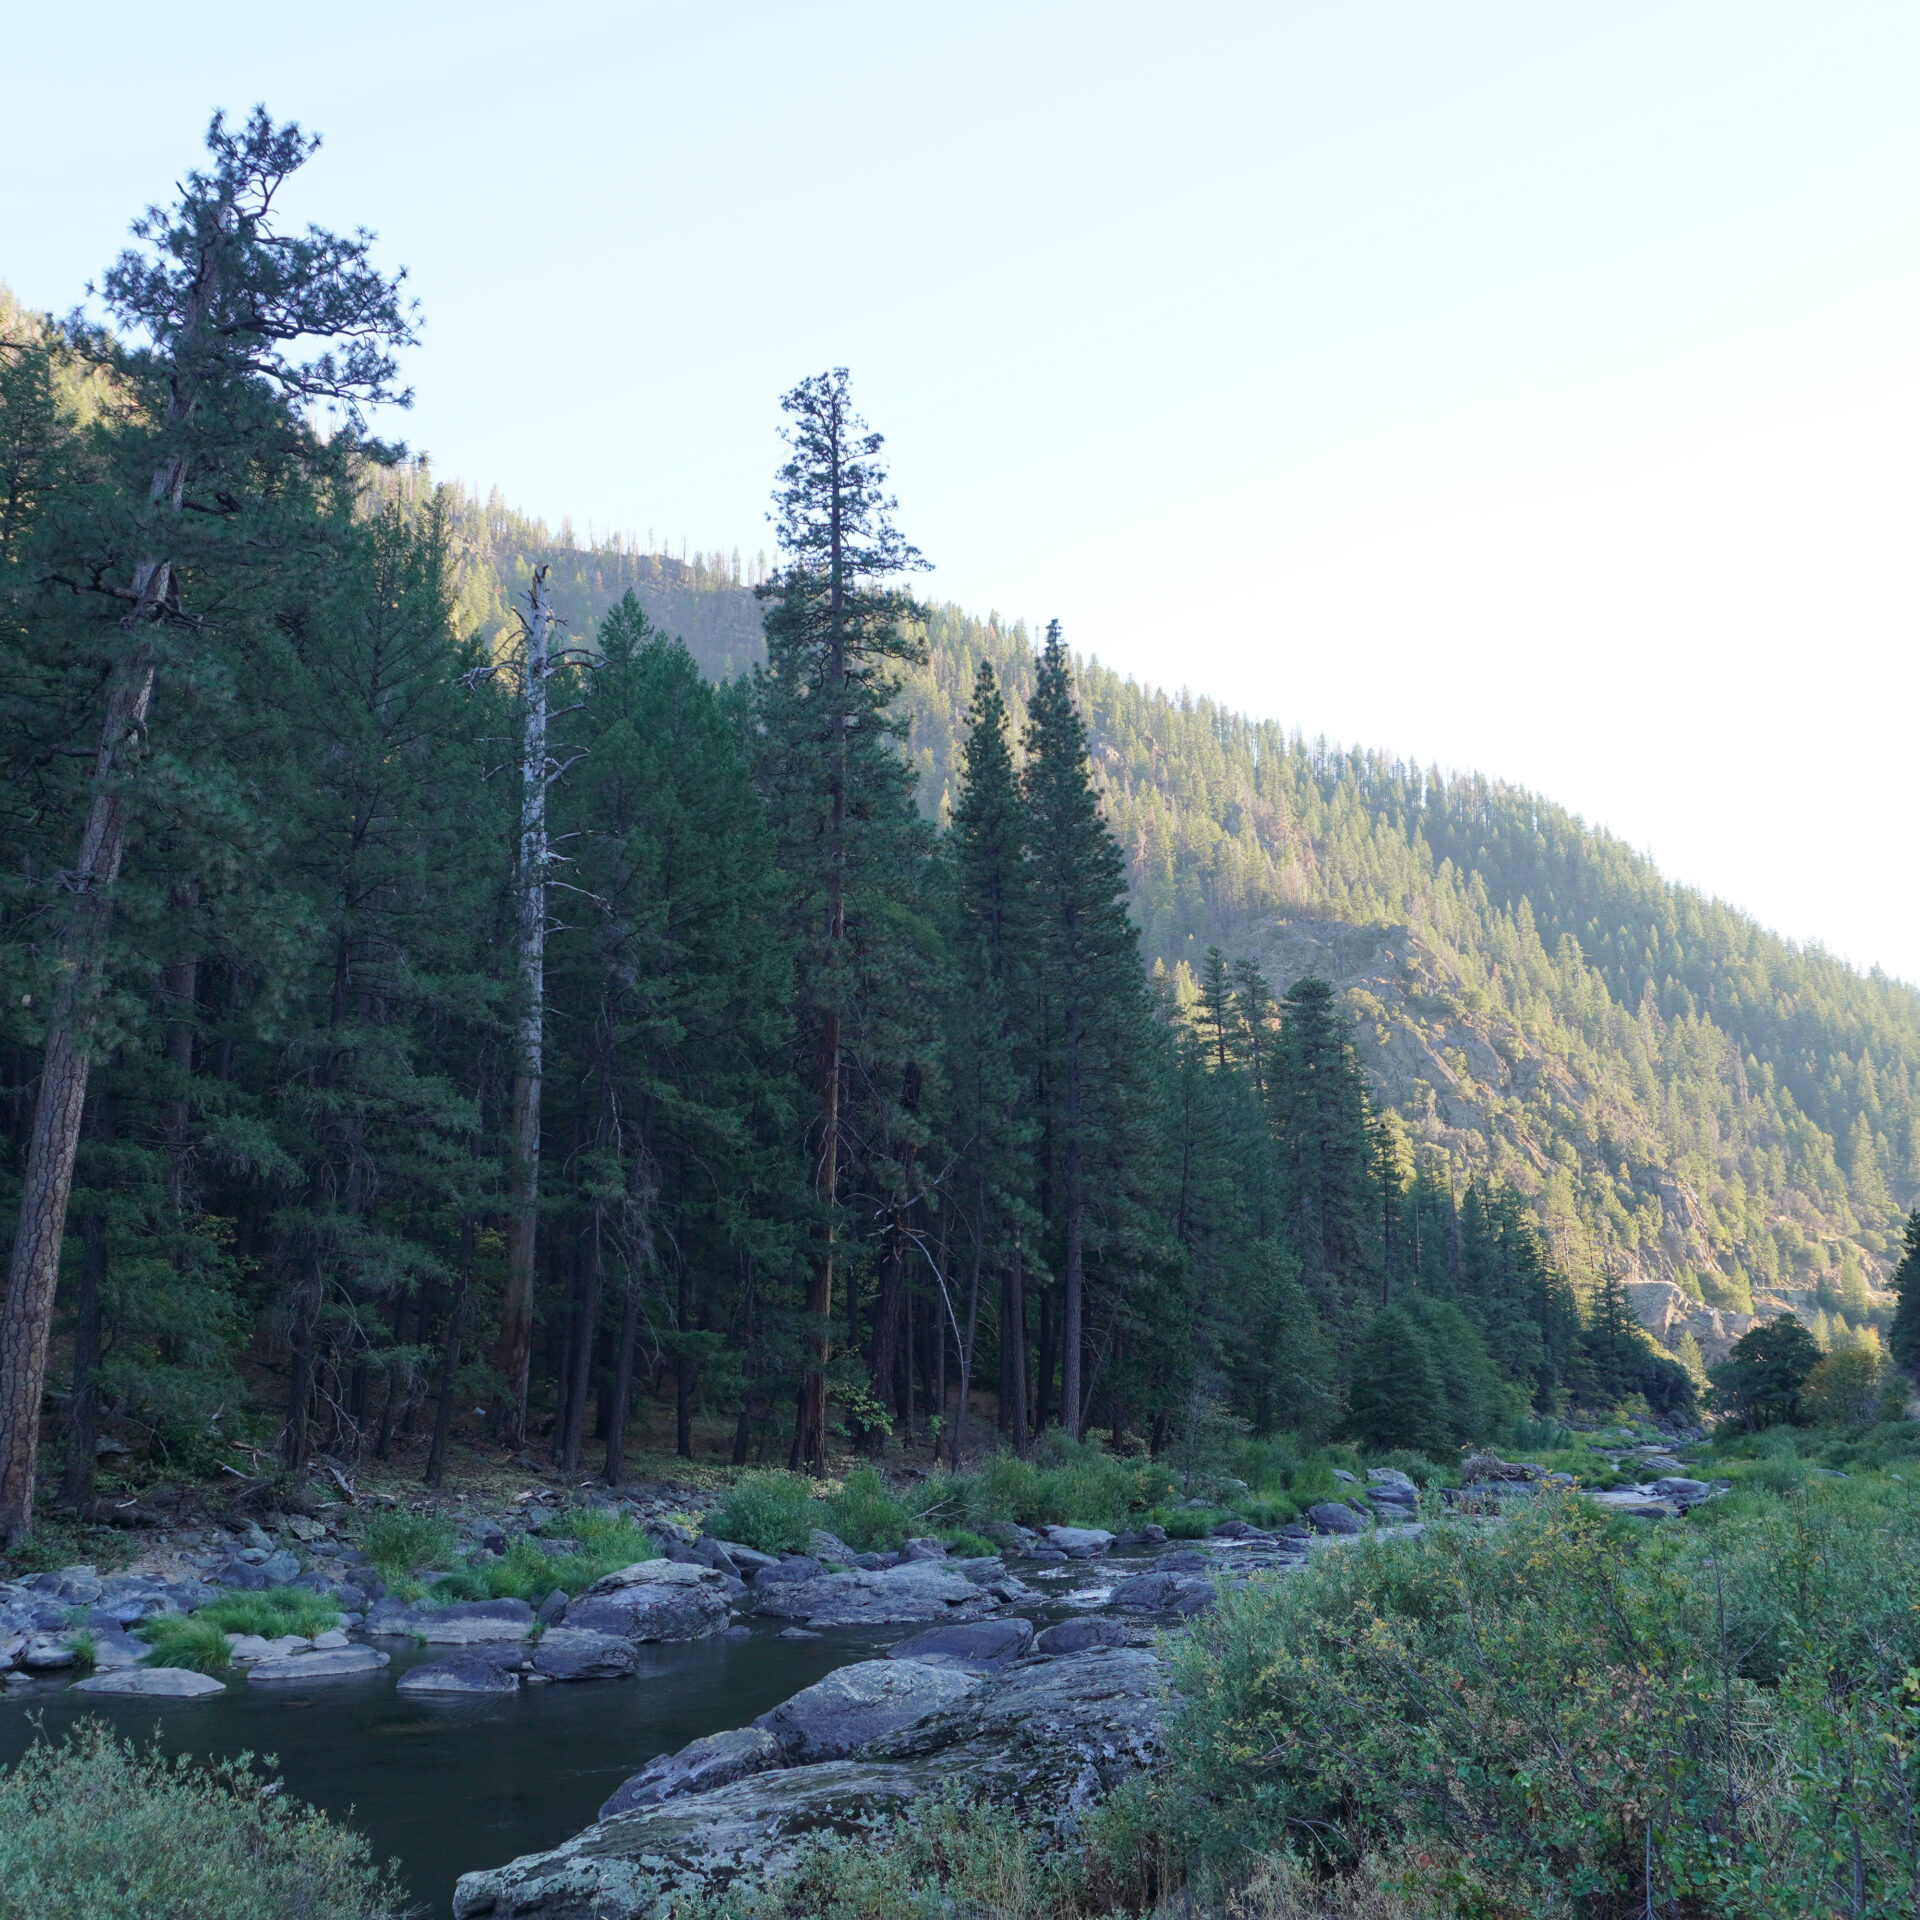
1733	1120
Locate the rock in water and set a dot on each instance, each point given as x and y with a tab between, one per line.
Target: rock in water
1182	1593
477	1623
1050	1736
578	1653
338	1664
1080	1636
666	1600
975	1646
893	1596
700	1766
1079	1543
856	1704
153	1683
460	1677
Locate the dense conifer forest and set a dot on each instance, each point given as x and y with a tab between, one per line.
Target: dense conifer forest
460	982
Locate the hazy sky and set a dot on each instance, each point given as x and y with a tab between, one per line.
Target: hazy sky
1534	388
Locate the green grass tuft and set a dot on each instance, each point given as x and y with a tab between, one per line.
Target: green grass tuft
271	1613
400	1544
178	1640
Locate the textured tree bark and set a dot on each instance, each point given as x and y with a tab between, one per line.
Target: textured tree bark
1015	1331
83	1410
530	933
623	1381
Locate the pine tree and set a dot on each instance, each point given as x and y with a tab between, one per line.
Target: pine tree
1396	1400
1903	1338
988	1050
1088	973
219	298
840	800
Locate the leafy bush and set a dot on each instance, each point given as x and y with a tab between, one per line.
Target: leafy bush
965	1545
530	1569
866	1516
1185	1523
180	1641
1065	1483
1557	1700
1268	1509
399	1543
94	1829
772	1511
1844	1389
272	1612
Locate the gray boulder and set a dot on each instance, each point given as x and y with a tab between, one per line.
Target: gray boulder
1082	1636
861	1703
920	1590
700	1766
46	1653
750	1561
1676	1486
476	1623
796	1566
661	1600
1164	1592
1331	1517
153	1683
1079	1543
460	1676
577	1653
337	1663
922	1549
634	1864
830	1548
974	1646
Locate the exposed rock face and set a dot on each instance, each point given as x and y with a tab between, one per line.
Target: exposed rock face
656	1600
700	1766
153	1683
476	1623
468	1676
870	1700
919	1590
1331	1517
331	1664
579	1653
1049	1737
979	1646
1160	1592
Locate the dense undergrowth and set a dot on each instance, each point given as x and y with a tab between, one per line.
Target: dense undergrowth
1568	1715
95	1829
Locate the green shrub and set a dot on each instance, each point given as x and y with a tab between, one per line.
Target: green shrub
866	1516
1185	1523
1557	1700
1268	1509
1065	1483
93	1829
772	1511
966	1546
272	1612
86	1649
530	1569
399	1543
180	1641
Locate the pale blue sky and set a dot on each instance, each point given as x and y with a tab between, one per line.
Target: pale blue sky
1535	388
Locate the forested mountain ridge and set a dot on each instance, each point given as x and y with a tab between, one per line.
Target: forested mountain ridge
1727	1117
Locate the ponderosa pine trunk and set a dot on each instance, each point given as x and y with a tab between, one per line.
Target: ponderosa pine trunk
580	1371
530	936
33	1274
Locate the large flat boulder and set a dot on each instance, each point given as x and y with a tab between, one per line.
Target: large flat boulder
889	1596
1164	1592
579	1653
153	1683
476	1623
974	1646
336	1663
661	1600
864	1702
463	1677
1079	1543
700	1766
1048	1737
637	1863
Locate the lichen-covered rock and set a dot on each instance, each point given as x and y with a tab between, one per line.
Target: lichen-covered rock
919	1590
578	1653
861	1703
1049	1737
975	1646
664	1600
700	1766
460	1677
476	1623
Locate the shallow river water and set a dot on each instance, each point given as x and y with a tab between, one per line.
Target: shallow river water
448	1786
